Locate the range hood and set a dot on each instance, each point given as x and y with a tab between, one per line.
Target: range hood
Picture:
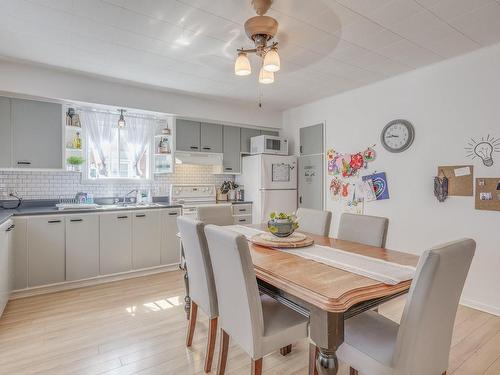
198	158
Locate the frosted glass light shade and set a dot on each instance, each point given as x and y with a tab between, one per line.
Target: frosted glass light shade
266	77
242	65
272	61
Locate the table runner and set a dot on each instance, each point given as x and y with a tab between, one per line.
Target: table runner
373	268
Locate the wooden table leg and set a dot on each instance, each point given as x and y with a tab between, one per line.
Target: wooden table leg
327	333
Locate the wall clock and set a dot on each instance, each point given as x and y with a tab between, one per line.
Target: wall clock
397	136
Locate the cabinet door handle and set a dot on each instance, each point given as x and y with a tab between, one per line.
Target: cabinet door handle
242	209
76	220
228	169
54	221
122	217
194	147
10	228
241	220
140	215
207	148
23	162
173	213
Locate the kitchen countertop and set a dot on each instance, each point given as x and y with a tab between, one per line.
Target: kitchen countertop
37	209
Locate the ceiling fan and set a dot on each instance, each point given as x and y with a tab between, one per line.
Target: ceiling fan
261	29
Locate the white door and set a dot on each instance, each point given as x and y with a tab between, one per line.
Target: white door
279	172
115	241
277	201
311	181
170	243
146	239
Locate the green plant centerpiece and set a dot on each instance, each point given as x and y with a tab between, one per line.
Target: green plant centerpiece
282	225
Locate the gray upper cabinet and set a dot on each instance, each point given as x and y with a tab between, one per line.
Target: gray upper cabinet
231	158
269	132
211	137
36	134
246	134
5	133
311	140
187	135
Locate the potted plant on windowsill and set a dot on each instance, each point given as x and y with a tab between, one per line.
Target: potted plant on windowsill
75	163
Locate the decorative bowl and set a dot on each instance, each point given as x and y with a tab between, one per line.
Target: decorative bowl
282	225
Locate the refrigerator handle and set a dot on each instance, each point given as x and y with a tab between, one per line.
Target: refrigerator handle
300	199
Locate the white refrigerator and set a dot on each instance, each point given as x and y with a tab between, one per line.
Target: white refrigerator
270	182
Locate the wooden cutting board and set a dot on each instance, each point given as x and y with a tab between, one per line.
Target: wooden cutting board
265	239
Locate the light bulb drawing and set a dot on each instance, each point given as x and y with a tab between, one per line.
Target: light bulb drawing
483	149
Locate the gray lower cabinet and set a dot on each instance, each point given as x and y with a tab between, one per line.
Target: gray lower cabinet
5	133
20	246
82	246
170	243
232	155
246	135
211	137
36	134
115	239
146	239
187	135
46	250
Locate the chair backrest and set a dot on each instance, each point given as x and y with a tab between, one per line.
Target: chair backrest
424	337
201	278
365	229
314	221
217	214
240	308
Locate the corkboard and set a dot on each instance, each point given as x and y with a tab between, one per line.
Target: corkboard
462	186
488	187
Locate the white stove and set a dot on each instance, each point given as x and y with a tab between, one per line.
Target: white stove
190	197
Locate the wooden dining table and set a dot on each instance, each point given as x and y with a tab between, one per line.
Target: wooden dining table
325	294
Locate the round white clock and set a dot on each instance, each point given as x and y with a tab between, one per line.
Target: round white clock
397	136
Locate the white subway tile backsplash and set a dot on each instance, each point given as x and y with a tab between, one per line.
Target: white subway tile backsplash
53	185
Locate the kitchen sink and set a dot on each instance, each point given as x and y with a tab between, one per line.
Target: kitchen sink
128	205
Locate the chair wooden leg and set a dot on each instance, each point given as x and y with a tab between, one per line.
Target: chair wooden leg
191	324
353	371
313	352
444	373
224	347
286	350
257	366
212	335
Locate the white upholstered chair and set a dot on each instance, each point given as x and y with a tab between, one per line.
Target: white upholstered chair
375	345
201	282
259	324
314	221
365	229
217	214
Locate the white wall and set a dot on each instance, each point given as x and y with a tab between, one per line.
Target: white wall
44	82
448	103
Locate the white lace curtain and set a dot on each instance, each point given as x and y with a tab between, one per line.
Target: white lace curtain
139	134
102	135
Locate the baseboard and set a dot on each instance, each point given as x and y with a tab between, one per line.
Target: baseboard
480	306
67	285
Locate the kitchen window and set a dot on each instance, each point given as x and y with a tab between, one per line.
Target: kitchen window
115	153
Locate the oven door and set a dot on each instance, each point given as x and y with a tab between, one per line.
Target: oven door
190	211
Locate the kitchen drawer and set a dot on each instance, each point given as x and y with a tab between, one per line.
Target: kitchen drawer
243	219
242	209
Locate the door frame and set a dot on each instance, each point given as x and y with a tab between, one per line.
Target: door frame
325	162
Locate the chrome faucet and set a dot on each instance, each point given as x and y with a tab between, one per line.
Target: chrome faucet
126	195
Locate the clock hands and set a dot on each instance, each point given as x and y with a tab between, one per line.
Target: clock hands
392	136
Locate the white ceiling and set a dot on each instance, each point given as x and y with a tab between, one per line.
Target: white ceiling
327	46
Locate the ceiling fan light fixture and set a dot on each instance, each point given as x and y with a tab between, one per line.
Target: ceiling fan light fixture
242	65
266	77
272	61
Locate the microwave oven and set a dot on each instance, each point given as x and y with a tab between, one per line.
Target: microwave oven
269	144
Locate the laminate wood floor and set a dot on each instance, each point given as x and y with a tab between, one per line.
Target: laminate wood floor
137	326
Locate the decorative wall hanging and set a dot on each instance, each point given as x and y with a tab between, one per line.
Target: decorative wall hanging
460	179
348	165
441	186
335	187
483	149
379	181
488	194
